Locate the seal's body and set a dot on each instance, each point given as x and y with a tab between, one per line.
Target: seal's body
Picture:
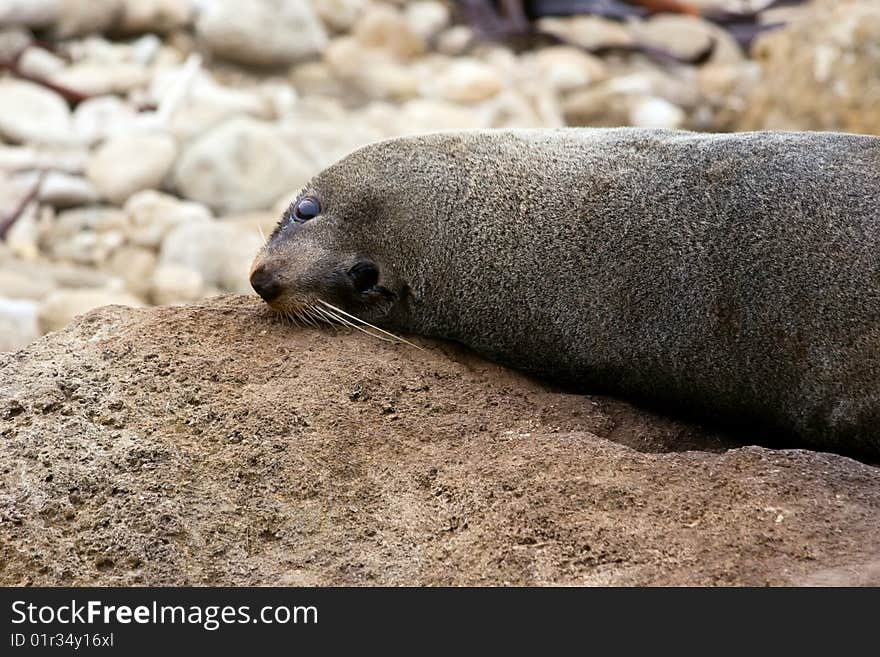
736	275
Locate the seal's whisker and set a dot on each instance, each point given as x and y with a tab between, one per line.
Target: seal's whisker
306	318
365	329
311	311
366	323
334	320
345	322
331	319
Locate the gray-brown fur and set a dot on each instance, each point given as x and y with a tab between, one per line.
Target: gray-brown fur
736	275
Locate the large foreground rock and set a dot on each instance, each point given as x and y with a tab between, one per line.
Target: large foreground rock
213	444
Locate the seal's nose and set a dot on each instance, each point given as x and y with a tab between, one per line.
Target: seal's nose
265	283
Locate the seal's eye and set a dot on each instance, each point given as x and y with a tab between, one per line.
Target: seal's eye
306	208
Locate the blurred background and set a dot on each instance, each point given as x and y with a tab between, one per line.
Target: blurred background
145	145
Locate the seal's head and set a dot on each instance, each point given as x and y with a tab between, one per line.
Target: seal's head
340	245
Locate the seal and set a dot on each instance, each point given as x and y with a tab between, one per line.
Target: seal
734	276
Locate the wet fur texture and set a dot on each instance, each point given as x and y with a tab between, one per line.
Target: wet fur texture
731	275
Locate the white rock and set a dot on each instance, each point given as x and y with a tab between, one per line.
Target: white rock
126	164
323	143
87	236
311	79
96	79
176	284
205	103
340	15
40	63
376	73
23	238
78	17
422	115
455	41
688	37
33	114
14	189
160	16
612	102
385	28
97	118
63	190
524	109
221	253
135	266
32	13
280	97
243	164
63	305
68	275
153	215
98	50
257	223
18	158
427	17
89	248
261	32
92	219
466	80
589	32
566	68
13	40
18	323
146	49
344	56
652	112
25	280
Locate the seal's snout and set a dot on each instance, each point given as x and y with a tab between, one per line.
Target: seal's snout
265	283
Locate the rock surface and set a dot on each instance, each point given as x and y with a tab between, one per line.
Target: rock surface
32	113
261	32
212	444
241	165
820	73
131	163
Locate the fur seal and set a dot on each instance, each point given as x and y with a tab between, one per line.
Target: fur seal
734	275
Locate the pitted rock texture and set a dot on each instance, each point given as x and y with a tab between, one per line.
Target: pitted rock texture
214	444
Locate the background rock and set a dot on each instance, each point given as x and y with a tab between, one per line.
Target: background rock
176	284
18	323
135	266
221	253
160	16
30	282
63	305
153	214
383	27
33	114
261	32
62	190
820	73
263	167
79	17
129	163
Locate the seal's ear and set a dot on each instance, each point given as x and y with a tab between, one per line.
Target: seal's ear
364	275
